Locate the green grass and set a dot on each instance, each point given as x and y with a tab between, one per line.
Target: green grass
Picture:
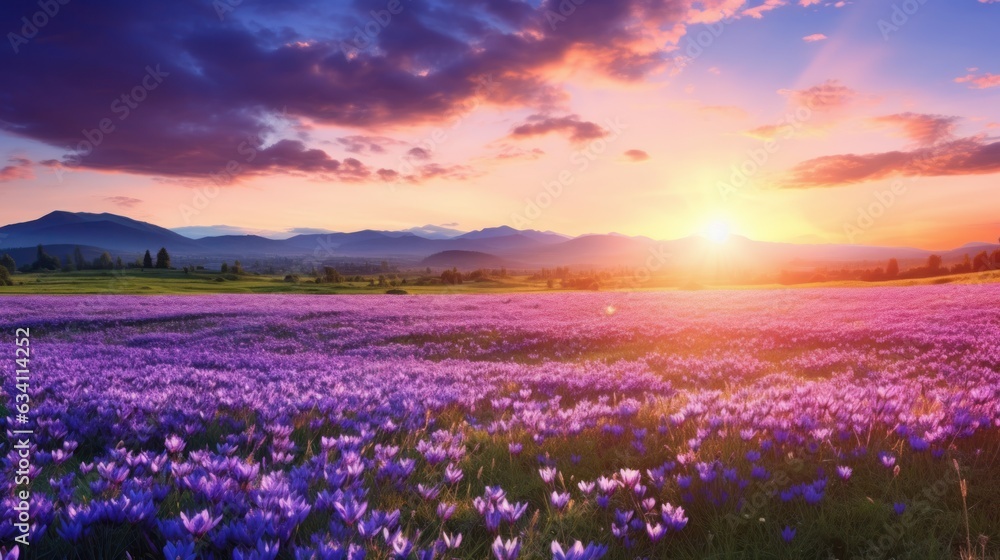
177	282
134	282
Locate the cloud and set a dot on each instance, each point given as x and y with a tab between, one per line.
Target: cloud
828	96
575	129
980	81
510	152
924	130
19	168
635	155
419	153
823	105
438	171
427	172
757	12
365	145
309	230
123	201
967	156
227	80
815	37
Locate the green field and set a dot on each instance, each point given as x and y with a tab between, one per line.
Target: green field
178	282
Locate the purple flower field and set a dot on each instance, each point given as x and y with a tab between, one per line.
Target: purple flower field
806	423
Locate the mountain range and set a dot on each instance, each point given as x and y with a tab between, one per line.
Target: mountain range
436	246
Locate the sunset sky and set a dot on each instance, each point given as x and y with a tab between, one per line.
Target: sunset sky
778	119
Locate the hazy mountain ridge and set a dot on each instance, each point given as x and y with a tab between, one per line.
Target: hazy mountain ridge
120	234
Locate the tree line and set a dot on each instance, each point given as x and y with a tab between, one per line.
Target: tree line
934	266
46	262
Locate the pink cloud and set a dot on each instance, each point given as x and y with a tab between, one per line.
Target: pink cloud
757	12
828	96
577	130
124	201
966	156
636	155
19	168
815	37
925	130
981	81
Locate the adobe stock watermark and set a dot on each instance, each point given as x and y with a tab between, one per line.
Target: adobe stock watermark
928	504
867	215
33	24
368	32
438	136
223	7
122	107
700	42
581	161
756	158
562	12
900	16
247	150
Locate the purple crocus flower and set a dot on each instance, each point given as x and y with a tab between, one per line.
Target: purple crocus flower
175	551
812	495
548	474
655	532
200	524
512	512
559	500
887	459
451	542
445	511
673	516
592	551
264	551
607	486
630	477
506	550
453	474
401	545
350	511
899	508
788	533
174	444
428	493
844	472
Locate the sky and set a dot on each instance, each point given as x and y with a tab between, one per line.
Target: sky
803	121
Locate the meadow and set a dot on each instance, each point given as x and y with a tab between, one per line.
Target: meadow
716	424
154	281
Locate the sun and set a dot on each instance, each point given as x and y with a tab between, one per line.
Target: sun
717	231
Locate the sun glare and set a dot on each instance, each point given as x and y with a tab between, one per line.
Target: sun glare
717	232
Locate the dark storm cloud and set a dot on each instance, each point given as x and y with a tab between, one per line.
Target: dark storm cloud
173	89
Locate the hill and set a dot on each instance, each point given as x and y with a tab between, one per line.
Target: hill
463	260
